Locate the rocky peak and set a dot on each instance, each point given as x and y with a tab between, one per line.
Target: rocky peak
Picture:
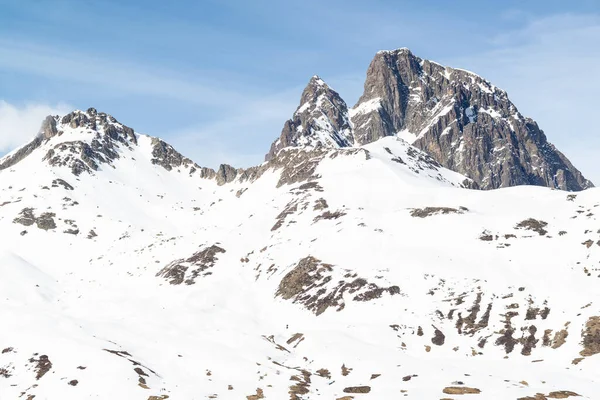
321	119
462	120
98	123
48	128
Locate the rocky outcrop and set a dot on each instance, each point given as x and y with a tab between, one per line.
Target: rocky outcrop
320	120
47	131
187	270
105	137
463	121
166	156
312	284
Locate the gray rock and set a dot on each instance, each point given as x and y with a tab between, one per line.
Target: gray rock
47	131
321	119
187	270
48	128
463	121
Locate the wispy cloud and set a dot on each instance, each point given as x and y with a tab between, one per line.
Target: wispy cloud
19	124
125	77
240	138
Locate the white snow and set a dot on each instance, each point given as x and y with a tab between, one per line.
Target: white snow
72	298
471	114
407	136
365	107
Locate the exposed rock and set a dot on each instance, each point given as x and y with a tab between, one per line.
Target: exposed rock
310	283
27	217
259	395
345	370
463	121
439	338
226	174
289	209
177	273
562	394
166	156
533	225
302	385
21	153
357	389
429	211
460	119
329	215
61	182
460	390
41	365
591	337
320	120
48	128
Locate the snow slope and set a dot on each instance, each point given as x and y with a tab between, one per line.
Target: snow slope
361	273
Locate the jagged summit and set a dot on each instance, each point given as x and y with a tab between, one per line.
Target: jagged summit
321	119
465	122
88	141
398	50
327	272
462	120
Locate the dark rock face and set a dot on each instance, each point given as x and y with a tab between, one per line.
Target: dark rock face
21	153
106	142
44	221
48	128
320	120
463	121
108	136
311	284
41	366
166	156
47	131
198	265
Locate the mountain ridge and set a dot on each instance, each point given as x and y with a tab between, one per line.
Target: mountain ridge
465	122
371	271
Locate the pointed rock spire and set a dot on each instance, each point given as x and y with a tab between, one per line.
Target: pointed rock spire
320	120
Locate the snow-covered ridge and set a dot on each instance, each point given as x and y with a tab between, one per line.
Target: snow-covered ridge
331	271
321	268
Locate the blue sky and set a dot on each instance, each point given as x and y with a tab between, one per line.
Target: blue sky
217	79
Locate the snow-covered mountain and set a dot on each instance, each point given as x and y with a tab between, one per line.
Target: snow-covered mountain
462	120
320	120
330	271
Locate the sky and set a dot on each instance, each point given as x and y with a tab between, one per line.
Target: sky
218	78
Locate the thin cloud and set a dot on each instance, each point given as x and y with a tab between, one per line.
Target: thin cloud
241	138
19	124
121	76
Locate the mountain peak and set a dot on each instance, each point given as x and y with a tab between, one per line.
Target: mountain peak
80	140
321	119
465	122
405	50
316	80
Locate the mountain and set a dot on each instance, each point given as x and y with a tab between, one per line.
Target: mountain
463	121
334	270
320	120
